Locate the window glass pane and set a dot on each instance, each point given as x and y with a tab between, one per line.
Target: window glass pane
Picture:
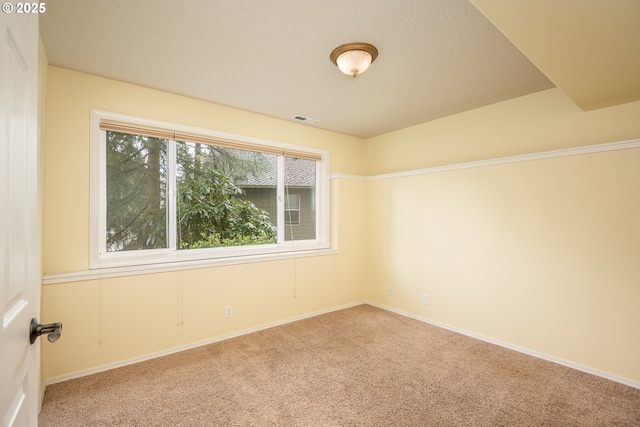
136	192
292	202
226	197
292	209
300	199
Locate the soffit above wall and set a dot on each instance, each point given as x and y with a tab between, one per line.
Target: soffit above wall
590	49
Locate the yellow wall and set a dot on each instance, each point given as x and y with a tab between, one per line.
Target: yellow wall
542	254
543	121
72	95
113	320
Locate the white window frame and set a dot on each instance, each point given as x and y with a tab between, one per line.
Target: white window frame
100	258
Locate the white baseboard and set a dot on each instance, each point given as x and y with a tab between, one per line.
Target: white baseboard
131	361
588	370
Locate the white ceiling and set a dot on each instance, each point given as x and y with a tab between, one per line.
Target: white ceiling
437	57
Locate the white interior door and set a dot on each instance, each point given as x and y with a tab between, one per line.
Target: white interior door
20	276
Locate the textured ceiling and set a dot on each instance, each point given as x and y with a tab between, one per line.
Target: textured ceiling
437	57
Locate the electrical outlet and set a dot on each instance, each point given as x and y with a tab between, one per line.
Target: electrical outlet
390	290
425	299
228	312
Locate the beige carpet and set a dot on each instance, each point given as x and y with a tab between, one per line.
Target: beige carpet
356	367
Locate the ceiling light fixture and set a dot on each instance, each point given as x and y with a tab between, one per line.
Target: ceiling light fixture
354	58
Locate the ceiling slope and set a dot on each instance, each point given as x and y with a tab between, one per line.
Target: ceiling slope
590	49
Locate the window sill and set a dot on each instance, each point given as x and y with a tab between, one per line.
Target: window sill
134	270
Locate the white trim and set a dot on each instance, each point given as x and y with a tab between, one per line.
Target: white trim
576	366
178	349
105	273
565	152
172	204
280	189
347	176
96	177
588	149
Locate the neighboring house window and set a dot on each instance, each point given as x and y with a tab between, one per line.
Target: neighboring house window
166	193
292	209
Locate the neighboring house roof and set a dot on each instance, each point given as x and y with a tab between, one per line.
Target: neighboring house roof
298	173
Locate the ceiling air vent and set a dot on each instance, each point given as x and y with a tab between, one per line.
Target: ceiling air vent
306	119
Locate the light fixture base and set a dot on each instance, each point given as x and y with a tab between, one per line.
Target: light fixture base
369	48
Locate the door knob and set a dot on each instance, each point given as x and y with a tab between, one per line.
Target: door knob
52	330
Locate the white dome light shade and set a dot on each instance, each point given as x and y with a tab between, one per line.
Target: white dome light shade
354	58
354	62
